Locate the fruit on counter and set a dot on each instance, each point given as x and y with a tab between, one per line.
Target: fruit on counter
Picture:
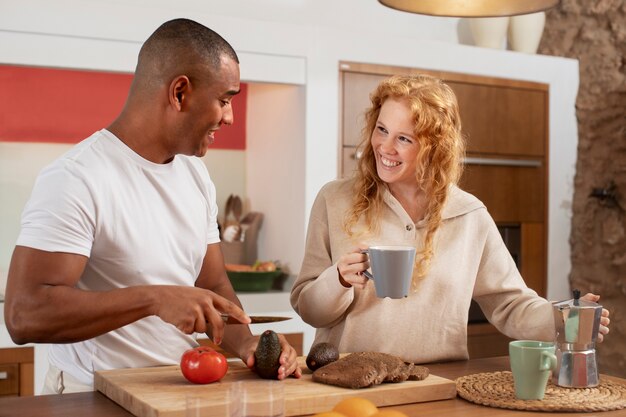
267	355
238	267
267	266
321	354
356	407
203	365
359	407
259	266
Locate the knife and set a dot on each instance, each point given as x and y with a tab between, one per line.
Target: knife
254	319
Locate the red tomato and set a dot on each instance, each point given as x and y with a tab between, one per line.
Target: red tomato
203	365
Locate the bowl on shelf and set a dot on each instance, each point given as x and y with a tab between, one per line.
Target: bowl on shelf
253	281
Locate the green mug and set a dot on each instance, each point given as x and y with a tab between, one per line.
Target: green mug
532	363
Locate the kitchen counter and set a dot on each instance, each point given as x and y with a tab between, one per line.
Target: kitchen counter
95	404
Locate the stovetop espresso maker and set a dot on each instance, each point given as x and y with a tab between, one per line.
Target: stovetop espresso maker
577	323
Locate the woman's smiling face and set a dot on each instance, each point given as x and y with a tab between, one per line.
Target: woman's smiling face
395	145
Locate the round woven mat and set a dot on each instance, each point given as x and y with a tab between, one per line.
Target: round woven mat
495	389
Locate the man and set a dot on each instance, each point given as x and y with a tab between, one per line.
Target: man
118	261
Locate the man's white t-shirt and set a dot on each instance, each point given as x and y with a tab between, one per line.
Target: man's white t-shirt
139	223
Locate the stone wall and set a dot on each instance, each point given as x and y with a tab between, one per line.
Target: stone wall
594	32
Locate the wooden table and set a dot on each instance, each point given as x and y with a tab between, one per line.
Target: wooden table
94	404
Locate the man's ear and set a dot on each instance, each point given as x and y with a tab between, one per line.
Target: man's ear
179	88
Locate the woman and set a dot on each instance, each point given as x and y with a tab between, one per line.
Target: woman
405	192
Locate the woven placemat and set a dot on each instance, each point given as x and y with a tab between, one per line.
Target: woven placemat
496	389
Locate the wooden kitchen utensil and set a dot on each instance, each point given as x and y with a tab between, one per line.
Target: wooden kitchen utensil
237	209
232	216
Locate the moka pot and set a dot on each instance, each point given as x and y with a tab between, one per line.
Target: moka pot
577	323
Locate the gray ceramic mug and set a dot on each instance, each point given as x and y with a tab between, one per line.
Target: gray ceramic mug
392	269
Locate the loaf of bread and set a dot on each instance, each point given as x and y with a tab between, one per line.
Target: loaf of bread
364	369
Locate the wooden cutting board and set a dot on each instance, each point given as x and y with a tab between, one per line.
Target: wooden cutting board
162	391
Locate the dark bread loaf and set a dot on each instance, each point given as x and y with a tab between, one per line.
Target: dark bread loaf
364	369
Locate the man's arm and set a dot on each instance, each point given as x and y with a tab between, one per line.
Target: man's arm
42	304
213	277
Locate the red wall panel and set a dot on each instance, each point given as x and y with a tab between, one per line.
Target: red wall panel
234	136
66	106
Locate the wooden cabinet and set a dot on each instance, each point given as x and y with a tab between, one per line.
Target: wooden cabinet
9	379
505	123
17	371
356	89
502	119
513	194
484	341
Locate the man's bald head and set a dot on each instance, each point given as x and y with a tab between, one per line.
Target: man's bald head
181	47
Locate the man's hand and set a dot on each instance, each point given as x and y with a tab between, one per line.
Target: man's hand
193	309
288	357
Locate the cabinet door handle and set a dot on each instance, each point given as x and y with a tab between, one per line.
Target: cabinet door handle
4	375
533	163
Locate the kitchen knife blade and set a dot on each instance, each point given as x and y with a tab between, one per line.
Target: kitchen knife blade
255	319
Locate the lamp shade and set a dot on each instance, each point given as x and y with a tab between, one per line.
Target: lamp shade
470	8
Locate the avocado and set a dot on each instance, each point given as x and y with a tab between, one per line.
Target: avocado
321	354
267	355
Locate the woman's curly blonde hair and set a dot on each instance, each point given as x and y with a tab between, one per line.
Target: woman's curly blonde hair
441	150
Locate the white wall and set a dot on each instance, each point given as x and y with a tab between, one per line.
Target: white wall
275	170
19	165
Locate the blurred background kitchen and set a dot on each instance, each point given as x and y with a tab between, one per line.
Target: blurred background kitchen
306	68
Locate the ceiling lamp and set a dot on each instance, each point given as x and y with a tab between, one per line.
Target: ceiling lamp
470	8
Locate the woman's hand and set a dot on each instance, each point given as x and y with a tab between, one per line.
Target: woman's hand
604	319
351	267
